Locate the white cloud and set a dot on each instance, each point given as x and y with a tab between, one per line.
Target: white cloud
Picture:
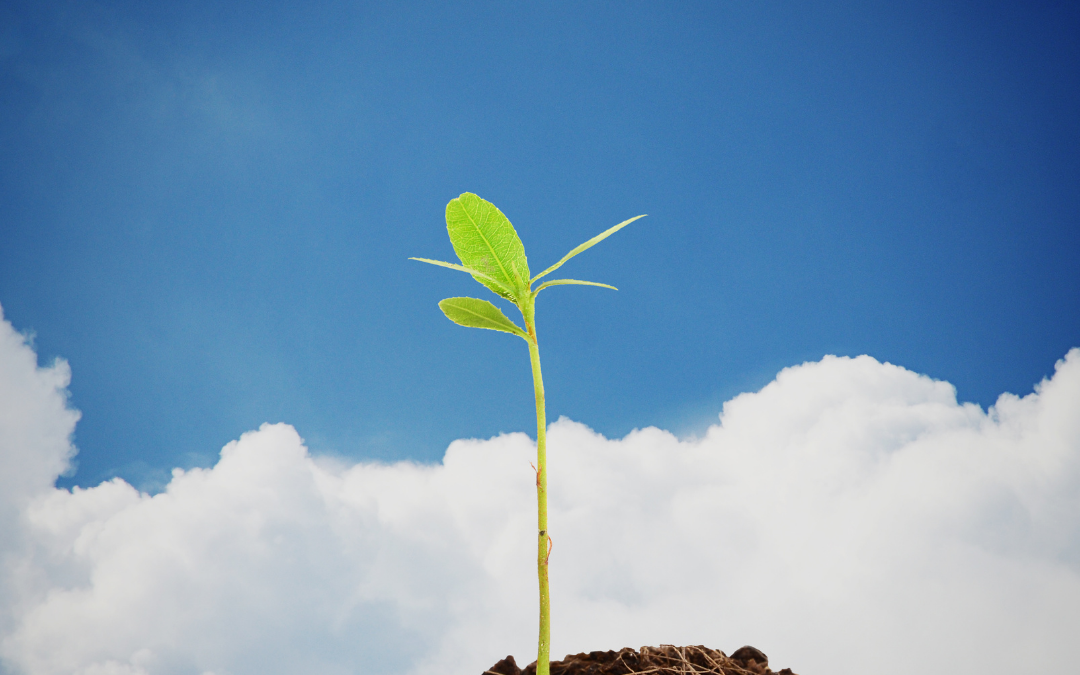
851	517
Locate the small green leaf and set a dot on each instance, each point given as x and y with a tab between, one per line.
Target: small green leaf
484	240
589	244
564	282
475	313
452	266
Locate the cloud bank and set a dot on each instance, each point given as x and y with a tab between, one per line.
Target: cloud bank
850	517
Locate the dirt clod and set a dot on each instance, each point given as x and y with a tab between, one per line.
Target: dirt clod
662	660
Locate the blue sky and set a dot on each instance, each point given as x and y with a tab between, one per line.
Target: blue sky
207	209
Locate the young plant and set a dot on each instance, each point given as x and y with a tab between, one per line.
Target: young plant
491	251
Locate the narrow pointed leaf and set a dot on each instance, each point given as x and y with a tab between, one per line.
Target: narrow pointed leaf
484	240
452	266
475	313
589	244
566	282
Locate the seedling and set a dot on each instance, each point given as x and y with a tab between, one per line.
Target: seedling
491	251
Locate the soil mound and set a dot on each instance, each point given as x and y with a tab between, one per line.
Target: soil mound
662	660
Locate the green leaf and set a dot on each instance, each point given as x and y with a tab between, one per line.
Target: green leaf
564	282
452	266
484	240
589	244
475	313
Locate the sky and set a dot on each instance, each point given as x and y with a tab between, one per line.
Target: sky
208	209
861	259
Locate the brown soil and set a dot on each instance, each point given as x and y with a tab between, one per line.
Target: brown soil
662	660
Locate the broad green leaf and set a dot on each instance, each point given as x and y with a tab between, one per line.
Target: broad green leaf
589	244
564	282
452	266
479	314
485	240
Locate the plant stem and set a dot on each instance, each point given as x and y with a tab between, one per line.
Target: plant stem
544	647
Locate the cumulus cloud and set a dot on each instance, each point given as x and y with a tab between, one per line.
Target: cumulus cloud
850	517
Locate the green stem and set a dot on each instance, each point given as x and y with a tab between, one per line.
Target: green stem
544	648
